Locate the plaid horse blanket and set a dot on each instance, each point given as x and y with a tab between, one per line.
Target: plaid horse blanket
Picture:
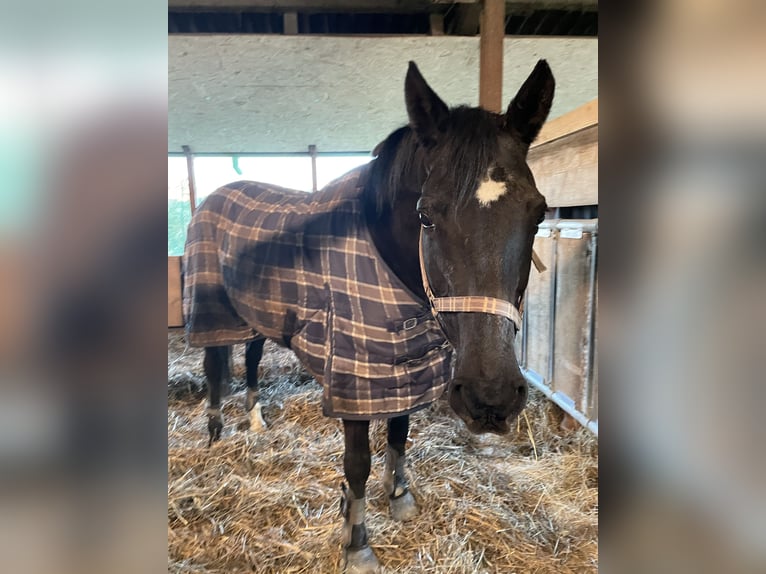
301	269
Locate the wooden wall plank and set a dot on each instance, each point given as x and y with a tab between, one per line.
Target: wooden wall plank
566	169
175	311
583	117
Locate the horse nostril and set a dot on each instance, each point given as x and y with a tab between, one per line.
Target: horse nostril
522	391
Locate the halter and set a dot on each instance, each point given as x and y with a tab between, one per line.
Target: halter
472	303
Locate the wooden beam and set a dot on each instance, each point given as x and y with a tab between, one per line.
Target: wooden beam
400	6
580	118
491	55
564	158
379	6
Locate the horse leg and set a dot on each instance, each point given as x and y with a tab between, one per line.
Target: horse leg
253	354
216	365
358	557
402	503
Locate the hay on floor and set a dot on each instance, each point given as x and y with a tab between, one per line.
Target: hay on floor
268	502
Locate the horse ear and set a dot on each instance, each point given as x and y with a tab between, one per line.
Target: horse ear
530	106
424	108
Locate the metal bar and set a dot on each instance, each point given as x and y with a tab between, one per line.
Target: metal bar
524	337
562	400
588	375
554	282
586	226
313	154
190	176
491	55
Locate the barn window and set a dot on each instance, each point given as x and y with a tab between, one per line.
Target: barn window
211	172
331	166
214	171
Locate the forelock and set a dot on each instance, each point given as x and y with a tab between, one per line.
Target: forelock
469	147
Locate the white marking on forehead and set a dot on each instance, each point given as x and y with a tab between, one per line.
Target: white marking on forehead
490	190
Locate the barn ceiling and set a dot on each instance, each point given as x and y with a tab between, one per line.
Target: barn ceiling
534	17
261	90
280	94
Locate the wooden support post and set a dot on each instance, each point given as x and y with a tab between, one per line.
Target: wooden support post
491	55
313	154
290	23
437	24
190	175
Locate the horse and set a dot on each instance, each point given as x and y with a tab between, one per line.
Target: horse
376	280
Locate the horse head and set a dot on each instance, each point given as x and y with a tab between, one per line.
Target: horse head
479	210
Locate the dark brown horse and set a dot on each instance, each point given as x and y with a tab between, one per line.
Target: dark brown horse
450	209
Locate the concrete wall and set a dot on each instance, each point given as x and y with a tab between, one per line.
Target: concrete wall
282	93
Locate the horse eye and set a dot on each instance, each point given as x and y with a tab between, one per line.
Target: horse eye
425	221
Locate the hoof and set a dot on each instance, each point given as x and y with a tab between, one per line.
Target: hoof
214	425
403	507
257	424
360	561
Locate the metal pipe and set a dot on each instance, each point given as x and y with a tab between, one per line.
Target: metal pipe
588	367
562	400
524	329
313	154
584	225
554	282
190	175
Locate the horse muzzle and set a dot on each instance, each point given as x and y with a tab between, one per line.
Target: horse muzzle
488	406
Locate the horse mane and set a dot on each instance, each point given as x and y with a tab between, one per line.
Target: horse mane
394	159
468	144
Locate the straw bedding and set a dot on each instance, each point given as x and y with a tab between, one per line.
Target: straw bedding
268	502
